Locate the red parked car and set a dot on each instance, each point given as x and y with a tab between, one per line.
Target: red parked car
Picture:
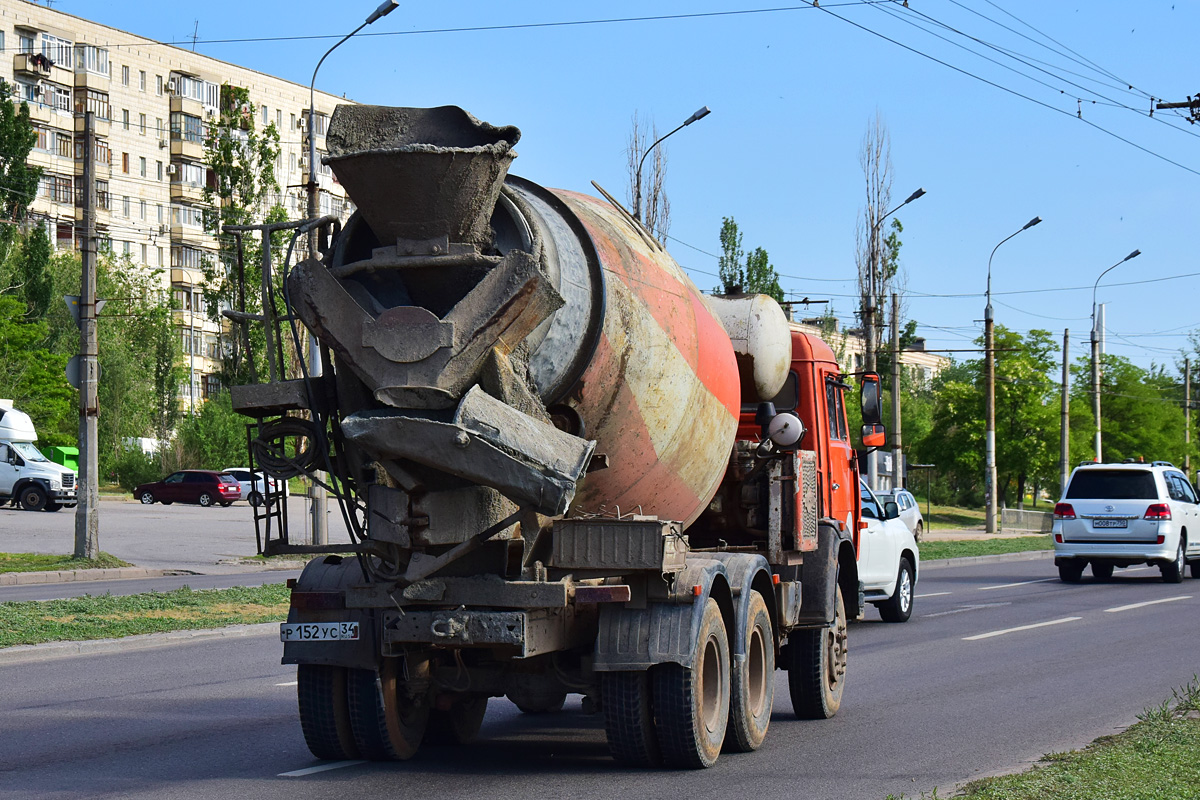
202	486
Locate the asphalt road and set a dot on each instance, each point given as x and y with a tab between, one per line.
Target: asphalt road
1000	664
175	537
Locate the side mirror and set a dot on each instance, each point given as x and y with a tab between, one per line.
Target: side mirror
891	510
871	399
874	435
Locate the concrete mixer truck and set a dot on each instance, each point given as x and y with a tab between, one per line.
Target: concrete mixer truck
565	470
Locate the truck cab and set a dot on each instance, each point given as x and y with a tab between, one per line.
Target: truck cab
27	477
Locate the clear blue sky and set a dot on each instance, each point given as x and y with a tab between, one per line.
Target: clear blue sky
792	91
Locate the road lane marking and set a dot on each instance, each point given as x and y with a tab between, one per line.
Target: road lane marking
990	634
1022	583
1132	606
289	683
300	773
961	609
931	594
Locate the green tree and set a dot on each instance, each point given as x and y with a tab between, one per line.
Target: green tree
33	377
18	179
36	282
215	437
741	272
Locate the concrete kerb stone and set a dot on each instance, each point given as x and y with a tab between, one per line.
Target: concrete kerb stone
25	653
1025	555
75	575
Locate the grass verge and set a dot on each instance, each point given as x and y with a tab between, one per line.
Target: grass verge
40	562
107	616
1155	759
962	548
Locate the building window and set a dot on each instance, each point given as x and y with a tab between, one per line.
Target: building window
188	216
125	118
142	124
142	87
190	174
158	167
319	125
102	154
1	41
278	111
159	251
266	117
160	213
186	127
128	247
93	101
24	42
183	257
58	188
60	51
125	163
103	197
292	160
158	85
142	215
125	75
90	58
159	130
144	247
125	206
212	383
62	145
142	166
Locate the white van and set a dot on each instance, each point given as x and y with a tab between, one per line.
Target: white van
27	477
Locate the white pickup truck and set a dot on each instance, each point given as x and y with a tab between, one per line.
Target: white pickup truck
888	558
27	477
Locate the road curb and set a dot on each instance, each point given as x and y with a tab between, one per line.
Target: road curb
24	653
74	575
1026	555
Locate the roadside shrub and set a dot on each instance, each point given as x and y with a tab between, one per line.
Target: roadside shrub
132	467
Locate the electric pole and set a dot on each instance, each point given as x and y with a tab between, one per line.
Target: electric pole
1064	436
87	512
897	472
1187	417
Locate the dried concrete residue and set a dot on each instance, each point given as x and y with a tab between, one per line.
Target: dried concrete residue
354	129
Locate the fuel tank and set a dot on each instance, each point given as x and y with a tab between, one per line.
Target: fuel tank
480	310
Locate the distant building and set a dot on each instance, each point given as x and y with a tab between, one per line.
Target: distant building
850	346
151	103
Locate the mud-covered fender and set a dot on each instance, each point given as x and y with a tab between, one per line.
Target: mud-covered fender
819	576
333	574
747	573
635	639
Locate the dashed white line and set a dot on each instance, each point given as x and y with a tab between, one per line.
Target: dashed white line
990	634
1132	606
961	609
1021	583
300	773
289	683
931	594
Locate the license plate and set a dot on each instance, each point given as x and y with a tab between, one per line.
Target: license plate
318	631
1110	523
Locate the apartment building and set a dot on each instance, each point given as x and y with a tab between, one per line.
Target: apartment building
850	348
151	104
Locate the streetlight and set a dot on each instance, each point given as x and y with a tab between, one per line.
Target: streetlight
989	358
869	333
1096	352
637	181
316	491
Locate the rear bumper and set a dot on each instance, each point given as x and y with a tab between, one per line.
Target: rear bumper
1133	552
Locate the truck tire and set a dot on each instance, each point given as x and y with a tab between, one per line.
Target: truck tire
458	724
691	704
898	607
324	711
52	506
1173	572
752	690
387	726
817	666
625	698
33	497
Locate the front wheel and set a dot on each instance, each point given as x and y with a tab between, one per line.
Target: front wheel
920	529
898	607
205	499
52	506
147	498
817	666
33	498
1173	572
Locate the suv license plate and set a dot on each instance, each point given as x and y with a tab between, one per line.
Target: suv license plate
318	631
1110	523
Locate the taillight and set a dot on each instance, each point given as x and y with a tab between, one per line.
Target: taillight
1058	538
1064	511
1158	511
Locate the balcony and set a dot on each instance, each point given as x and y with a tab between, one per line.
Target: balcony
187	105
190	235
186	192
36	65
100	126
183	148
92	80
184	276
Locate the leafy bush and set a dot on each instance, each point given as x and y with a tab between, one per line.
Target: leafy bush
131	467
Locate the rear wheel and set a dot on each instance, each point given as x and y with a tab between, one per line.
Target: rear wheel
205	499
255	499
1071	571
387	725
458	724
691	704
33	498
898	607
752	691
629	718
817	666
324	711
1102	571
1173	572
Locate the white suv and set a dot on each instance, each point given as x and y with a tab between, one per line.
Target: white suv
888	557
1117	515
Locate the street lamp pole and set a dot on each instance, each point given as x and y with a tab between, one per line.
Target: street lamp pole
316	492
989	359
1096	355
703	112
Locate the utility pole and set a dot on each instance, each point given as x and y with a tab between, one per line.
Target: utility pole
1064	436
897	472
1096	391
1187	417
87	512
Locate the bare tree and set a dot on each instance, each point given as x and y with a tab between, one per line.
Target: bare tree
647	197
875	253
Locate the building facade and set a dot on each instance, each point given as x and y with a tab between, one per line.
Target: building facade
151	105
